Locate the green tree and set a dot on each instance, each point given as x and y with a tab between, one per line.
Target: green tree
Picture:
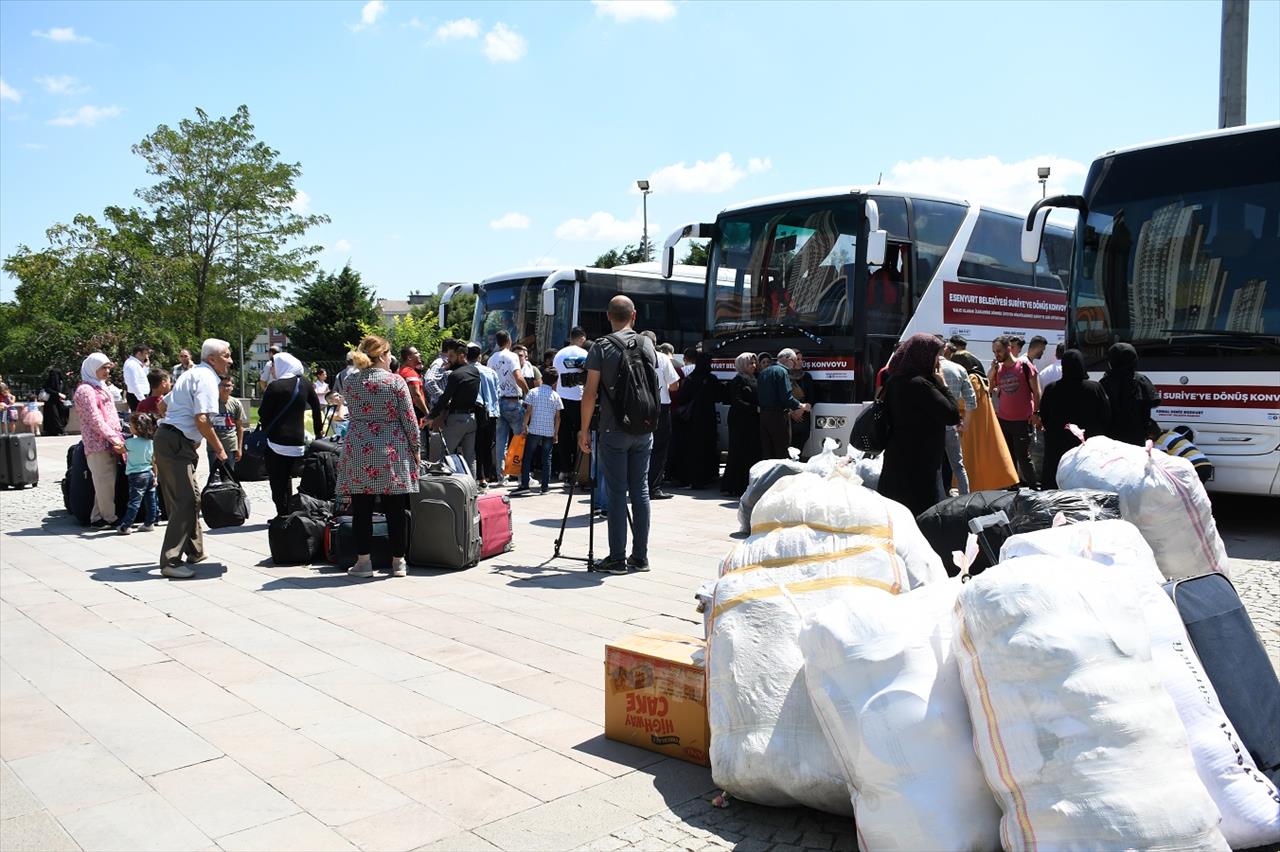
618	257
697	254
223	216
330	313
457	320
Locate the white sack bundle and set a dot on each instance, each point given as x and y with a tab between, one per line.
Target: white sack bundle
1247	800
1077	738
1160	494
883	679
763	476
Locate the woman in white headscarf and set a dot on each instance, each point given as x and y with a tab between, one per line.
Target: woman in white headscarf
100	433
284	406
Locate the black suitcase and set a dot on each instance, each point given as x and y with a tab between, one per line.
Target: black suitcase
77	495
946	524
444	530
295	539
223	502
18	463
1227	644
340	542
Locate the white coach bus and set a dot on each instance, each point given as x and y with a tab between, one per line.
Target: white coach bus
1177	252
843	274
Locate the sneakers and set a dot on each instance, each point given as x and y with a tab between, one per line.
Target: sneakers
147	527
125	530
545	489
362	568
610	565
177	571
637	564
659	495
519	489
398	568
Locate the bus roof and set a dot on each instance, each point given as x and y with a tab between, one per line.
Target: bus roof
648	269
1193	137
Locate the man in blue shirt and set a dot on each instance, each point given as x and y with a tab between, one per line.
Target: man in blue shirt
778	406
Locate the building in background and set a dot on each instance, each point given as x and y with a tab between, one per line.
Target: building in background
256	356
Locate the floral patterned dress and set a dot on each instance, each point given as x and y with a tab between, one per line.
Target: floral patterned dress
382	439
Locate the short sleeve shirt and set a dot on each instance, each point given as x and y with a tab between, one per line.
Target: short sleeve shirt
607	358
667	376
1014	381
195	392
544	403
230	414
506	364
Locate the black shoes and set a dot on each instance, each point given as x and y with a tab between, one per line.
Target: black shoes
609	566
660	495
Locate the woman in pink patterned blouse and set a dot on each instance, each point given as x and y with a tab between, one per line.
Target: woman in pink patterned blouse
380	452
100	434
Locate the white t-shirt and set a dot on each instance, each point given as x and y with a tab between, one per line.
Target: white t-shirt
506	364
322	390
568	361
135	377
667	376
1050	374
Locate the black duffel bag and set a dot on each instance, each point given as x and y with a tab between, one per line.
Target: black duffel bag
319	475
295	539
223	502
316	508
946	524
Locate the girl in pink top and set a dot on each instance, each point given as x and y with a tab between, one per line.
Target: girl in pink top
100	434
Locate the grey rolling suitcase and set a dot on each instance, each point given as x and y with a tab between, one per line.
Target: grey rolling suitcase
18	465
444	527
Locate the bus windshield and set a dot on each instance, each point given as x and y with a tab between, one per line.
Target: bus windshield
512	306
1181	247
784	266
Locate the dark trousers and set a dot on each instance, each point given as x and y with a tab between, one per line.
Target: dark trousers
176	457
1017	436
142	499
570	425
280	475
775	434
661	443
132	400
537	452
486	434
396	509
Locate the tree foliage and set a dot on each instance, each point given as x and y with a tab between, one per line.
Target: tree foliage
620	256
328	313
697	254
458	314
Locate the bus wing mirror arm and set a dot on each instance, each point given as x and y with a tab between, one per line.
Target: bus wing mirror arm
1034	228
704	230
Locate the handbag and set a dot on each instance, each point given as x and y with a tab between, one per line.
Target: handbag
514	462
255	443
223	502
871	430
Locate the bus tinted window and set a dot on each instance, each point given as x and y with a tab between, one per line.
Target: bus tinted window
893	216
994	254
936	225
687	309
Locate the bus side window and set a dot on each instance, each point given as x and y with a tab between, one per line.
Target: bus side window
936	224
687	308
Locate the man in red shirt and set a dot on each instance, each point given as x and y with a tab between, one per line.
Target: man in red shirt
159	384
1016	389
410	371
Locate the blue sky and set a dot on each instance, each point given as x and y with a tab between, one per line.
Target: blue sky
451	141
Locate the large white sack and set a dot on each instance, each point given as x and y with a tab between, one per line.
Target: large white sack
1160	494
1247	800
1077	738
815	535
763	476
883	679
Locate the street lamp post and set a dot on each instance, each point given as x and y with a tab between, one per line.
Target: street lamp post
643	186
1043	174
244	370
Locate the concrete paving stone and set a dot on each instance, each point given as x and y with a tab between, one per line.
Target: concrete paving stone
395	704
582	741
77	777
480	744
12	684
222	797
459	656
15	799
787	835
373	746
291	701
545	774
463	794
36	832
845	842
561	692
404	828
657	787
159	628
474	697
264	745
562	824
337	792
220	663
817	839
298	833
142	822
32	724
465	841
112	648
183	694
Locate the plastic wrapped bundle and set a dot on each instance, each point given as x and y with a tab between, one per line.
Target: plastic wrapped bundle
1075	733
763	476
882	676
1038	510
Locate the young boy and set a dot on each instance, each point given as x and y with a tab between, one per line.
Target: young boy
229	424
137	467
158	384
541	427
1180	441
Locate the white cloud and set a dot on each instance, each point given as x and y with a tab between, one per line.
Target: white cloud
301	203
62	34
461	28
415	24
603	227
34	146
989	180
8	93
341	246
369	14
510	222
86	116
716	175
502	44
63	84
625	11
757	165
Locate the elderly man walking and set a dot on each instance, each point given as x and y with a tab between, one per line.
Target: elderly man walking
778	405
190	412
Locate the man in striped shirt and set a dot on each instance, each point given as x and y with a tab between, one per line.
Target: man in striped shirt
1180	441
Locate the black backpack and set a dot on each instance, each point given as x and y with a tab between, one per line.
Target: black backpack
319	476
634	395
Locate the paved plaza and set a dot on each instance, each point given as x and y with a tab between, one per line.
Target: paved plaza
262	707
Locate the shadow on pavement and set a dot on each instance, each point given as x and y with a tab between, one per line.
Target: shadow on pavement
133	572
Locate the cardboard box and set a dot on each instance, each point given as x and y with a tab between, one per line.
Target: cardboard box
655	694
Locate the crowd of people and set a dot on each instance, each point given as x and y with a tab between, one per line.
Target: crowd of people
954	425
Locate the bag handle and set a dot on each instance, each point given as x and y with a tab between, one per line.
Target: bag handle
223	472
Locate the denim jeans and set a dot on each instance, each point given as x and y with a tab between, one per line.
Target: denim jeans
956	459
625	459
142	490
510	422
537	450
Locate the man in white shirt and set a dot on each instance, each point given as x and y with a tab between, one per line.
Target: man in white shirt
668	382
569	363
957	381
184	363
136	385
1053	370
190	409
268	374
511	389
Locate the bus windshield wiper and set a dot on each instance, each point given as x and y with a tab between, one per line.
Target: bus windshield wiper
1237	335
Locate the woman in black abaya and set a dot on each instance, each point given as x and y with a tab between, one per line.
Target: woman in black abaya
744	425
694	407
1072	399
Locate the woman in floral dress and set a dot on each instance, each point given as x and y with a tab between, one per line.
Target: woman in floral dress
380	453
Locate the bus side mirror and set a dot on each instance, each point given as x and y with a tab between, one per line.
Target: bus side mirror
549	302
877	239
668	259
1033	231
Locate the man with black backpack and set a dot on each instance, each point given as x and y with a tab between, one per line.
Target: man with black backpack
622	373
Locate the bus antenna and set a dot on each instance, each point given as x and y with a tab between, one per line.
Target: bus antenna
879	178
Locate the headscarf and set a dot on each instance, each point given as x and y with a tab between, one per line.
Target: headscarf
1123	359
915	356
742	362
90	366
1073	369
286	366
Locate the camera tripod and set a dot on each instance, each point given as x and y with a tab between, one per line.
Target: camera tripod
591	516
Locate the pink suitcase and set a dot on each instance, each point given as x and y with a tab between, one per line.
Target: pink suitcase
495	524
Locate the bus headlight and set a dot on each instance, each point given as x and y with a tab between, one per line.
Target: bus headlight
830	422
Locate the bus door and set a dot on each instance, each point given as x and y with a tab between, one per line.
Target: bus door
559	313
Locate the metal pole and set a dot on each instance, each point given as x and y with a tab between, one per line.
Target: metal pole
244	369
645	196
1233	67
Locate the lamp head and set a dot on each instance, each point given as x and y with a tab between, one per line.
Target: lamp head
1043	172
643	185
